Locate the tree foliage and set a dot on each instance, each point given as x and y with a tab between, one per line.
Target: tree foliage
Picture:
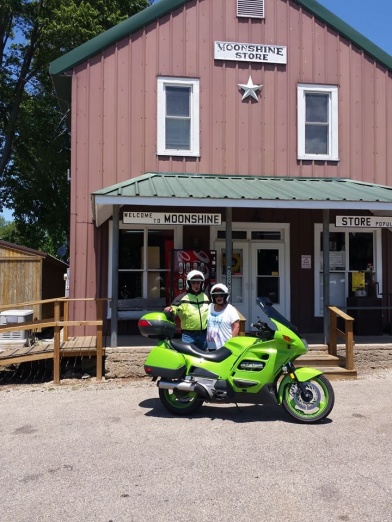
34	141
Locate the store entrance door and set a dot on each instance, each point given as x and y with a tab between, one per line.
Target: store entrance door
258	270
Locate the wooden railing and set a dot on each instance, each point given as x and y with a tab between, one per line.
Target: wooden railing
347	335
61	320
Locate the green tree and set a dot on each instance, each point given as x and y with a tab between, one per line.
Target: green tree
8	231
34	140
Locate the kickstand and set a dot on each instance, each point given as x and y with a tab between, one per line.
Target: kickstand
238	408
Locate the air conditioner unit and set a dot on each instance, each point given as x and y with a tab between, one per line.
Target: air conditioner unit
16	336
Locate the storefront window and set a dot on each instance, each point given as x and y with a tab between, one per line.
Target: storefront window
144	272
349	253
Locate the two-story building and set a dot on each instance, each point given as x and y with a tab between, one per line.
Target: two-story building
259	129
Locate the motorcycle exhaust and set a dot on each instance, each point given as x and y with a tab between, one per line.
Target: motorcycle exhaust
184	386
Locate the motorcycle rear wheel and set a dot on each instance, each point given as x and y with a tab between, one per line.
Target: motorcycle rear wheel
180	402
314	407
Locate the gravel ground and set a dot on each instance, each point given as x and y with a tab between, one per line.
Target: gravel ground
109	452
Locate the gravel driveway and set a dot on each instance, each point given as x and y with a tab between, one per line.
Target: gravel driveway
100	452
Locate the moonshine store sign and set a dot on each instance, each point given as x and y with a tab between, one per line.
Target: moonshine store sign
167	218
364	221
246	52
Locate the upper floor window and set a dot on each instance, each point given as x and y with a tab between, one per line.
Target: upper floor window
317	122
250	8
178	117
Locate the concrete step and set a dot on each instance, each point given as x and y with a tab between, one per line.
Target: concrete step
320	359
332	366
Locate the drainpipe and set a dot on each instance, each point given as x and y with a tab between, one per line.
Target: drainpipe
115	246
326	275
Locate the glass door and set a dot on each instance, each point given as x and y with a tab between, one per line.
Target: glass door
268	277
240	274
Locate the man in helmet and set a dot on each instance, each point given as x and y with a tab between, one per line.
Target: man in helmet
223	321
192	309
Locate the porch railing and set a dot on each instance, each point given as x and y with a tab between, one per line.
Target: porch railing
61	320
347	334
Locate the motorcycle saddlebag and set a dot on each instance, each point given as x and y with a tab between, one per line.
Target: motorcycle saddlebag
163	362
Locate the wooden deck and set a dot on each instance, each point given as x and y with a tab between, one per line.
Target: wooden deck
59	347
73	347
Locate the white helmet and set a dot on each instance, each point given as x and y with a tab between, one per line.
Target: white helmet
221	290
195	275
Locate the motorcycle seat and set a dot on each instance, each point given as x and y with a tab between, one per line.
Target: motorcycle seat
190	349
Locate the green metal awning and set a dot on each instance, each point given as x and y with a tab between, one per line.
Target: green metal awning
223	191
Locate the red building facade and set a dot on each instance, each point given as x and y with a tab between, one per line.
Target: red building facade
222	91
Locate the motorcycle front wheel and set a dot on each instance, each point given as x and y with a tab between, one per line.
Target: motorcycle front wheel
180	402
311	404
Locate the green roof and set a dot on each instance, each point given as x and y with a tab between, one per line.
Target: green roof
150	14
221	191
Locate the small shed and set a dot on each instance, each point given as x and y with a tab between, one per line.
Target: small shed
30	275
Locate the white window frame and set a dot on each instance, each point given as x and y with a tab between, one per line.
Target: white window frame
177	244
318	275
194	85
333	118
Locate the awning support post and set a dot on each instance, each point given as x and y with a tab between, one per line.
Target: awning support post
326	275
115	257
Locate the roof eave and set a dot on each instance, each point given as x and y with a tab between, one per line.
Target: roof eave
102	206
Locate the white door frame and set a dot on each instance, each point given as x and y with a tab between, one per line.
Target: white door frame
246	245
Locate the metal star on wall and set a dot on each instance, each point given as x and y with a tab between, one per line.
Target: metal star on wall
249	89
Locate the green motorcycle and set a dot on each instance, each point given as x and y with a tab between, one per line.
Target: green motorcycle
252	370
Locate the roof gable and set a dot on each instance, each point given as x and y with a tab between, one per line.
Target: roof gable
150	14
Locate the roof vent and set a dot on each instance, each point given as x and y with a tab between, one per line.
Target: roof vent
250	8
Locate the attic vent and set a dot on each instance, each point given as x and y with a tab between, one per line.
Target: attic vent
250	8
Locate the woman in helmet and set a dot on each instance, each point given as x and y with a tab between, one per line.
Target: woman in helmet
192	309
223	321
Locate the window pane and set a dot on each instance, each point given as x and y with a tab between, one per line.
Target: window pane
361	250
337	251
267	235
177	101
156	284
236	234
317	108
130	285
178	134
267	262
130	249
316	139
160	244
268	287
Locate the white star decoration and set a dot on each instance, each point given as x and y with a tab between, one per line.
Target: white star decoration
249	89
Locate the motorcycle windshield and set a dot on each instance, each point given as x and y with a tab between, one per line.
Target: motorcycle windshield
269	312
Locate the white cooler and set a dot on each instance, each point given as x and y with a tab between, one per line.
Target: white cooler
15	316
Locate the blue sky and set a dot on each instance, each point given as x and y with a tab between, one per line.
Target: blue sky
373	20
